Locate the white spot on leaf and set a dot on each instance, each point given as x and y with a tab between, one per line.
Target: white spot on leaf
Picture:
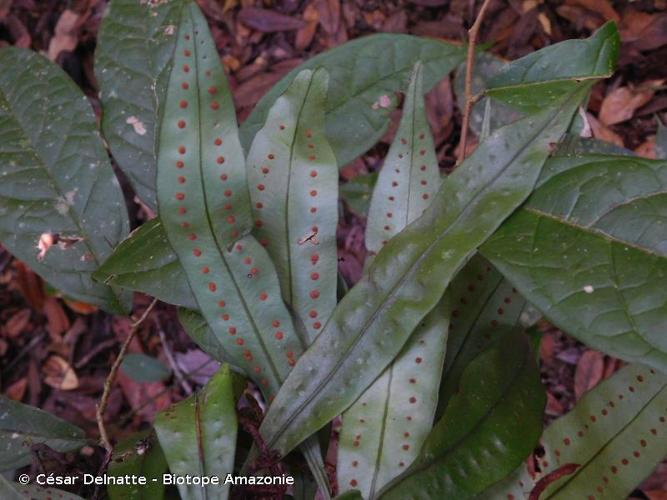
589	289
137	124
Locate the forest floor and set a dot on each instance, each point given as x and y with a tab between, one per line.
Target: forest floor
56	355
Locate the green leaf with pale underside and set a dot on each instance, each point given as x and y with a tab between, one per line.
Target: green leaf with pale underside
611	440
198	436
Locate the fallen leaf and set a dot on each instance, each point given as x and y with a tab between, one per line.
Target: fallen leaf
66	34
647	148
81	307
329	14
600	7
268	21
57	320
602	132
30	285
620	104
17	323
16	391
589	372
656	494
305	35
59	374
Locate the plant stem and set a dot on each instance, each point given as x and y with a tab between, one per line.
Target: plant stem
111	379
470	61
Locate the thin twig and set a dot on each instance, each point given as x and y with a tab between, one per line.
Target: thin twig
111	379
178	374
470	61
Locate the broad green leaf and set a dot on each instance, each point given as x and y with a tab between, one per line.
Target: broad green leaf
143	368
198	436
409	275
612	439
590	250
61	207
138	455
134	49
16	491
293	180
384	429
483	305
364	76
488	428
357	192
234	284
145	262
541	78
22	426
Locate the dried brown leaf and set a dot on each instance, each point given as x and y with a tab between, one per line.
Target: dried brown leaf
620	104
59	374
589	372
268	21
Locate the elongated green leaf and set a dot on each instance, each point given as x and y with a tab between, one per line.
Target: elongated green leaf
138	455
293	181
612	439
22	426
484	304
541	78
488	428
57	182
145	262
203	203
384	429
198	436
362	87
590	250
409	275
134	49
16	491
197	328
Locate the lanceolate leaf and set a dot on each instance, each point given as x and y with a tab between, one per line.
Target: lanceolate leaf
488	428
197	328
61	208
204	206
293	181
198	436
138	455
385	428
22	426
357	192
407	278
134	49
541	78
612	439
590	250
484	304
146	262
364	75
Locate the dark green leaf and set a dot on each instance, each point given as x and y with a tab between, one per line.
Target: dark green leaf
134	48
409	275
145	262
615	435
22	426
61	208
293	181
198	436
142	368
138	455
590	250
362	87
541	78
487	430
197	328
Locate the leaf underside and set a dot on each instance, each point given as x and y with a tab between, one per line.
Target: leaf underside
616	435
